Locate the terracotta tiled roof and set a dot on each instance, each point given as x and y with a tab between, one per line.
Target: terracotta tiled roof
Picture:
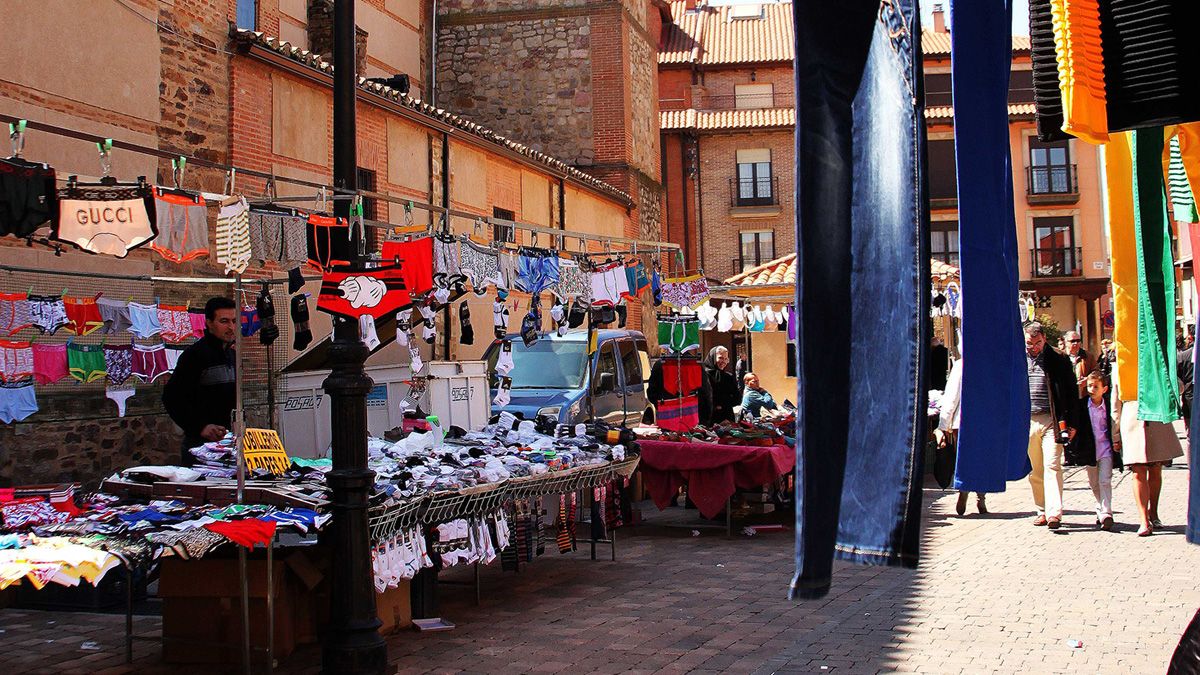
710	36
945	112
783	271
710	120
313	60
934	43
724	39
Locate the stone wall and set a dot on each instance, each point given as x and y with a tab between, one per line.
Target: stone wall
528	80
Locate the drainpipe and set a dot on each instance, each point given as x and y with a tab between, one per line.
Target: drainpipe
433	44
683	198
446	318
699	204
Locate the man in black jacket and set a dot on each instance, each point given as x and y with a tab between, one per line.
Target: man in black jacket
1053	402
201	394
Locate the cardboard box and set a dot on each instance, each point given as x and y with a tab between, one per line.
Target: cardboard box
394	608
202	610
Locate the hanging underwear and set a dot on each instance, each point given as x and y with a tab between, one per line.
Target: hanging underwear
681	376
416	262
143	320
17	402
199	322
284	236
250	322
49	363
685	292
656	287
609	284
573	282
149	363
47	313
681	414
83	315
367	332
446	269
114	314
679	335
508	269
119	395
173	353
480	264
537	270
86	362
635	278
182	220
28	196
352	293
233	235
118	363
14	313
109	220
16	361
328	241
174	322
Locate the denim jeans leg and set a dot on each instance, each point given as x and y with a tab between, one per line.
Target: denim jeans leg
993	432
862	299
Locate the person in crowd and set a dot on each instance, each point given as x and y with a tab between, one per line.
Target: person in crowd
939	364
202	392
756	399
1081	362
725	394
1053	397
1145	448
949	415
1183	363
1097	444
1107	359
656	391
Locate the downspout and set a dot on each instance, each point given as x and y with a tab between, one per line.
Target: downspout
433	45
562	203
699	204
683	198
446	204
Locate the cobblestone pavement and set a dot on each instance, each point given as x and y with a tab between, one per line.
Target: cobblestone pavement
993	594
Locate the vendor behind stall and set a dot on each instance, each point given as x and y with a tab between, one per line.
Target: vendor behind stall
201	393
725	390
756	399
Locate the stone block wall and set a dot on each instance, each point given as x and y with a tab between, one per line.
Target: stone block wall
529	80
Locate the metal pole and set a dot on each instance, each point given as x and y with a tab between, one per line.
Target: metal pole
239	432
353	644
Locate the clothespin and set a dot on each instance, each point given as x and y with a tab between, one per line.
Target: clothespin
105	149
270	188
230	179
561	243
323	201
177	168
408	216
16	132
356	222
679	259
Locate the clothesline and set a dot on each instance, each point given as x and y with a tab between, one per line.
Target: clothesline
337	194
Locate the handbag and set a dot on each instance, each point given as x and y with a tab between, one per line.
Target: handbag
945	457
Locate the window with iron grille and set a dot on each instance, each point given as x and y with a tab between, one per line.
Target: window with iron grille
503	233
943	241
754	184
1050	168
366	181
757	247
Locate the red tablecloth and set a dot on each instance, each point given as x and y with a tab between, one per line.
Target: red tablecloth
712	472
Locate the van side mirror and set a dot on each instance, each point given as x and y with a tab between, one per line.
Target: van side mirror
606	382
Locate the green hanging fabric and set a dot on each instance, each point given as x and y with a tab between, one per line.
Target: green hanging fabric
1182	201
1158	390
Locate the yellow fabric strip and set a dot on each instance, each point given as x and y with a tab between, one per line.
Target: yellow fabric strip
1077	45
1118	176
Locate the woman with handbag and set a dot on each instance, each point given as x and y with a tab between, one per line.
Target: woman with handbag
947	431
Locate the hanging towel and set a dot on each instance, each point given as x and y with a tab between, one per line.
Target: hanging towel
1118	177
1080	68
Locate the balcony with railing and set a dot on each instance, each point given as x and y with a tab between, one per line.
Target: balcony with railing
777	99
754	192
1056	262
1054	184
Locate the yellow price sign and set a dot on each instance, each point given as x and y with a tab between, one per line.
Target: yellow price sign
263	450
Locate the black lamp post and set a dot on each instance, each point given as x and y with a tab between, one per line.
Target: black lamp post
353	644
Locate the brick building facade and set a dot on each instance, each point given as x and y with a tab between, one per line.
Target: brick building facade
191	83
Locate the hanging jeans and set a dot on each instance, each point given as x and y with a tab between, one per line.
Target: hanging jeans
994	427
862	303
1158	388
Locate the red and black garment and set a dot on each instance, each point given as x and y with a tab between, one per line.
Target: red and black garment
352	293
329	241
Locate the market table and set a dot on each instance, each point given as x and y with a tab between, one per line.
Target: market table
712	472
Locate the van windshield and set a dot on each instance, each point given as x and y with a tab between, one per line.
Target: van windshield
548	364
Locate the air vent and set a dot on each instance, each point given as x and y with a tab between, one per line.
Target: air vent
754	11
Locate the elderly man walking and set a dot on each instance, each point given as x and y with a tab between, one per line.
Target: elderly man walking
1082	363
1053	399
